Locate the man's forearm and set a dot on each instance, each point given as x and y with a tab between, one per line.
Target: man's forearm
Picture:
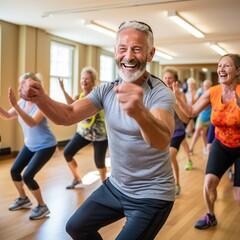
156	129
57	112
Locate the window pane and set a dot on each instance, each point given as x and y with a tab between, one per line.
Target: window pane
55	90
61	66
106	68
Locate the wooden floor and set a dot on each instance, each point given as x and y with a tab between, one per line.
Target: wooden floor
62	203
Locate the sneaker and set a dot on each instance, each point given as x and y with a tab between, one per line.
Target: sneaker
207	221
20	204
39	212
188	165
230	175
73	184
205	151
177	190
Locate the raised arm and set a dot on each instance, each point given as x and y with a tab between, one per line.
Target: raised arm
179	111
66	95
156	125
59	113
192	111
31	121
7	114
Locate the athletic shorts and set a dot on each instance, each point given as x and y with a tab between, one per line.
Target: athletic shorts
176	141
221	158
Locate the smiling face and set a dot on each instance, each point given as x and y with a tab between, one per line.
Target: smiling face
169	79
87	82
226	70
132	54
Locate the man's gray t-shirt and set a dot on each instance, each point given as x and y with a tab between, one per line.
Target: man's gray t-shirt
137	170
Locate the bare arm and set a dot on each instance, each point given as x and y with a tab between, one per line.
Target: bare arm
7	114
192	111
154	125
237	100
66	95
59	113
183	117
31	121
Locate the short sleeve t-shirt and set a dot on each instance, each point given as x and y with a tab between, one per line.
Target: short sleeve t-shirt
137	170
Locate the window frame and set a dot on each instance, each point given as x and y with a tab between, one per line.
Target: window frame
68	79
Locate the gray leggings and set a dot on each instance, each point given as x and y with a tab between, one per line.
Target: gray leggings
34	162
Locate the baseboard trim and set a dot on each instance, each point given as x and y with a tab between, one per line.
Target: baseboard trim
7	153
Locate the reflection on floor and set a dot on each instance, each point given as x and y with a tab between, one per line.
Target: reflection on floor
93	176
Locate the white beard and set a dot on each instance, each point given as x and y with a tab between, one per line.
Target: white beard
131	77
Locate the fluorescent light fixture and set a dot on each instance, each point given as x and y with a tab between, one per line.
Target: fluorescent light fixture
97	27
174	16
163	55
217	48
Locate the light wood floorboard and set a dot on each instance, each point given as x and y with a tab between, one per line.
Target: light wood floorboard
55	175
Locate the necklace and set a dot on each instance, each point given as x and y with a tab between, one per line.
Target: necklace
87	123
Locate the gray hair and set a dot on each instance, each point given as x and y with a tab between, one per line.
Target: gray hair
31	75
207	83
191	80
140	26
91	71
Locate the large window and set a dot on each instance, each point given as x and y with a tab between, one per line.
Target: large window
61	67
0	58
107	68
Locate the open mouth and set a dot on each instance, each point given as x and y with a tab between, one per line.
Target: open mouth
223	75
131	66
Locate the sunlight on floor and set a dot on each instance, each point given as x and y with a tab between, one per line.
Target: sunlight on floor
107	162
93	176
90	178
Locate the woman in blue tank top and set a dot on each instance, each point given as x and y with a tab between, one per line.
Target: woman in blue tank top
39	146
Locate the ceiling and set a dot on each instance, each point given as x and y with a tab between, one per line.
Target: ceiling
217	19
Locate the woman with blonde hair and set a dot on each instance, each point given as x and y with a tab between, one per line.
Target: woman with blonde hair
39	146
169	77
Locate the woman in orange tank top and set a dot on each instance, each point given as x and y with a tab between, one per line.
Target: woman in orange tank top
225	115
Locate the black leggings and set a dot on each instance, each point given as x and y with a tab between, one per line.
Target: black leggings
78	142
34	162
